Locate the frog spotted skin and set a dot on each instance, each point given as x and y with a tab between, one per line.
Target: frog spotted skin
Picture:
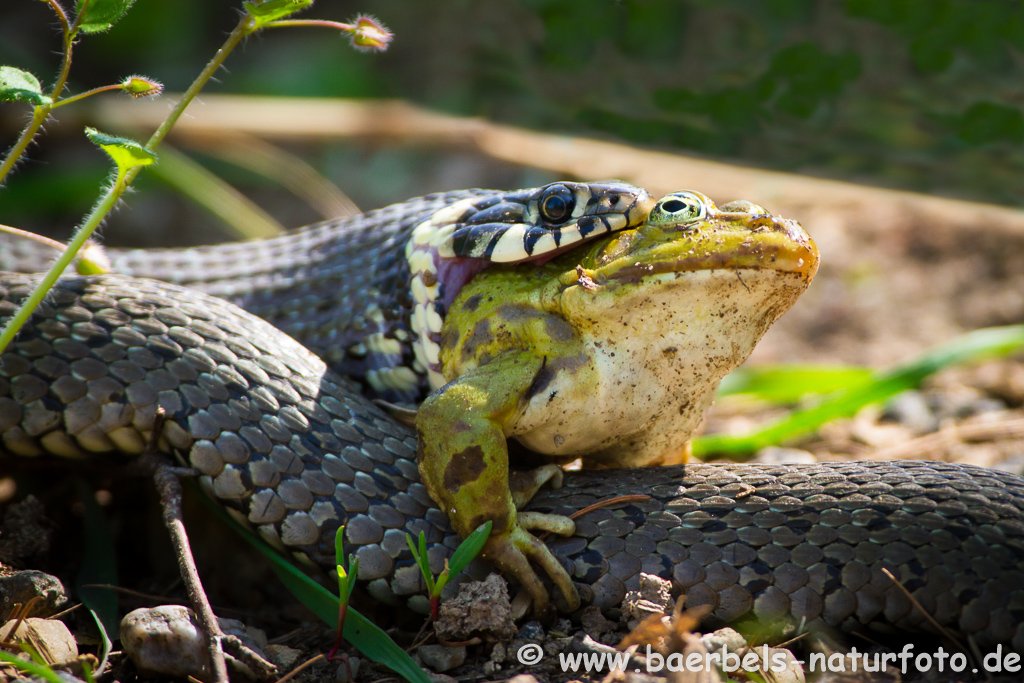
611	352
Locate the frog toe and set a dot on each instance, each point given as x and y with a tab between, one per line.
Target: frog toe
513	553
524	485
541	521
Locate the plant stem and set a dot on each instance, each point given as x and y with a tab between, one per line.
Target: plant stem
116	189
38	116
83	95
342	609
43	288
42	111
69	39
241	31
309	22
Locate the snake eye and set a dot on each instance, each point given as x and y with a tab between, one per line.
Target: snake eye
556	204
681	208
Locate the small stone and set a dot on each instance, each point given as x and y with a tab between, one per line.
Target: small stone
283	657
498	653
442	658
46	635
654	597
480	608
637	610
22	586
522	678
587	644
727	637
911	409
343	668
440	678
794	671
167	640
531	630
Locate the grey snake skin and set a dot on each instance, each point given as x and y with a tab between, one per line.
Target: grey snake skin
293	449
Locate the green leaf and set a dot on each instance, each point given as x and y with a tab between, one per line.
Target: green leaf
469	548
100	15
21	86
353	568
339	546
421	560
126	153
265	12
464	554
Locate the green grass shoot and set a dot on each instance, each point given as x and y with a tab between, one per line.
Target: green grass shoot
346	584
463	555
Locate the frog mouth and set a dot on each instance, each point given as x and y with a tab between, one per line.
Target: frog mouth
781	245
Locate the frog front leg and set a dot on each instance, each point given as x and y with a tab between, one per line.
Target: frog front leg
463	461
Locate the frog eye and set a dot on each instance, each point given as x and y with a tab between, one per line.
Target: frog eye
556	204
680	208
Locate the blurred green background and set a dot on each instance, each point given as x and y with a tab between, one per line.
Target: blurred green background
921	95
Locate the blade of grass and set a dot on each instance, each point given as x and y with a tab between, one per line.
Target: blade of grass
245	218
366	636
790	383
38	670
274	163
98	564
985	343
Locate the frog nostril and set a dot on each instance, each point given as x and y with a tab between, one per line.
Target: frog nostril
673	205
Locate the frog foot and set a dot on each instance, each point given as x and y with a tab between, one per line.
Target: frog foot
514	550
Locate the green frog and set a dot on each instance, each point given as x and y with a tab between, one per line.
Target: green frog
611	353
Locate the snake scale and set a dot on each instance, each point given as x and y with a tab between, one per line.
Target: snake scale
296	450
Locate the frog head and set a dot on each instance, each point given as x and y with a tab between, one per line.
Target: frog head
664	311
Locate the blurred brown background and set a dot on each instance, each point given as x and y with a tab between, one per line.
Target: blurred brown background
919	96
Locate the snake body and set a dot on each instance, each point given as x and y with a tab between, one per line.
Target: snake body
295	451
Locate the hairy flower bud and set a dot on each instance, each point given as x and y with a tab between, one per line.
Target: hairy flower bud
142	86
369	34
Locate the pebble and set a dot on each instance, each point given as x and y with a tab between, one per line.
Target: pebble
166	640
736	644
22	586
442	658
654	597
283	657
341	676
46	635
522	678
911	409
480	608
